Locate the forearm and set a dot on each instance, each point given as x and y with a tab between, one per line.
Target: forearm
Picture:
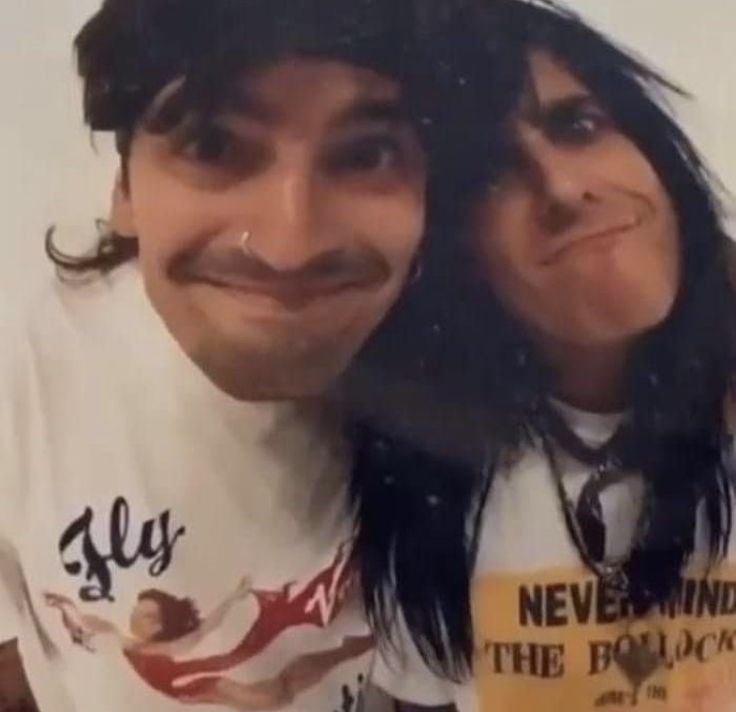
15	695
215	619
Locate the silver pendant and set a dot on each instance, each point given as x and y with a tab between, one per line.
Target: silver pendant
614	577
638	664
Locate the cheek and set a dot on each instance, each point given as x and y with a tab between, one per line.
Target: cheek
504	249
664	249
631	175
170	216
391	223
671	244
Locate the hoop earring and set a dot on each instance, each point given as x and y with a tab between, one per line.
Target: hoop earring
416	272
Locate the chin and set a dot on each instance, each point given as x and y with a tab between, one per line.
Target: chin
622	316
251	391
607	332
270	378
256	363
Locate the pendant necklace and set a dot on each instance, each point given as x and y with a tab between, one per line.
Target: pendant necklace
638	662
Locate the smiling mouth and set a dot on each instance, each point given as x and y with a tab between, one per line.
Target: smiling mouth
598	239
292	297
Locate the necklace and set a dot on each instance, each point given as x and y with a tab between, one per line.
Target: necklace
611	572
639	662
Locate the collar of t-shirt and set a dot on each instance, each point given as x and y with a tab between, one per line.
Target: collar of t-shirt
593	429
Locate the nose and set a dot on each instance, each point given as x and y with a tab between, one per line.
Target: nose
283	219
559	182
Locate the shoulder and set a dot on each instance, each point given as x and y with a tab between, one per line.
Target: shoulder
62	336
84	305
80	324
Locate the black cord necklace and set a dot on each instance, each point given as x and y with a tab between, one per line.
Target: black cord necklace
611	463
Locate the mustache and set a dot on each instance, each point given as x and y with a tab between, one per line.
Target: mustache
327	271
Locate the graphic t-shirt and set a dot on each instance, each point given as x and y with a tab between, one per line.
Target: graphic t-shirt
163	546
549	637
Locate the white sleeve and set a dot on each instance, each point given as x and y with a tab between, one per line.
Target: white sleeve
401	672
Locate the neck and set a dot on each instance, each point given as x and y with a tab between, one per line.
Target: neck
590	378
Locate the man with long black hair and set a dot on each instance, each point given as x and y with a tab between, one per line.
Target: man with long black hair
162	427
553	509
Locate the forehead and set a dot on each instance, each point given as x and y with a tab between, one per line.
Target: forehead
550	81
298	79
304	91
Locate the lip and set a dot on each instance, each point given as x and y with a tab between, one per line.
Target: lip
288	296
605	236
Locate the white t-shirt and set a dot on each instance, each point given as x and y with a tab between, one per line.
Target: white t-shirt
549	638
167	547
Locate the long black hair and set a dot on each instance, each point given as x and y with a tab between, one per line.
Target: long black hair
451	387
130	50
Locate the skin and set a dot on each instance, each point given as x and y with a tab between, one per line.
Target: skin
118	219
578	238
320	166
145	620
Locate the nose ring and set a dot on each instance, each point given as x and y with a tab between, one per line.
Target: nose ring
245	243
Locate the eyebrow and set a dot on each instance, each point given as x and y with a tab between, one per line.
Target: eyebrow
539	111
384	111
244	103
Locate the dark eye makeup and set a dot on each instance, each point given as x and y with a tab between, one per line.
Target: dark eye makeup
576	121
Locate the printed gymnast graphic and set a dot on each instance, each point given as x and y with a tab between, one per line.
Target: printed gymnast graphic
164	628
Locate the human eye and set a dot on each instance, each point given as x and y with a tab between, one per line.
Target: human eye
209	144
377	153
577	123
217	154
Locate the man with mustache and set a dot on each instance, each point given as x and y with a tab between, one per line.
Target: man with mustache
163	426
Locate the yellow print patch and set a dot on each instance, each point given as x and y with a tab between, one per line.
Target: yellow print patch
558	640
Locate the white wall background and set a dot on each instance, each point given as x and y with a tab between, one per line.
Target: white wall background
692	42
50	174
